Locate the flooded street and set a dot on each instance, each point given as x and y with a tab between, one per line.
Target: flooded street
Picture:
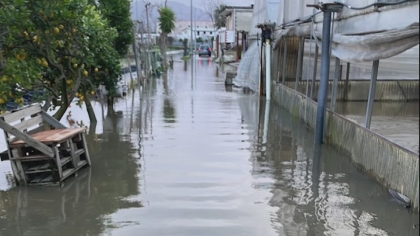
397	121
194	158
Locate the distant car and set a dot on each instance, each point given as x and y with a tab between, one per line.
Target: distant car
204	50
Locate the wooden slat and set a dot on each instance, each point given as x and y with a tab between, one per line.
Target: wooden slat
25	125
32	158
52	136
22	113
86	150
26	139
52	121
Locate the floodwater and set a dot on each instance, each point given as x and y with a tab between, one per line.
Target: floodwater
397	121
192	157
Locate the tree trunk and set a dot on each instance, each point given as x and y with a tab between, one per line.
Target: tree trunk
89	108
163	51
110	103
64	101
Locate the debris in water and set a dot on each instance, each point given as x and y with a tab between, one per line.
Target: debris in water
400	198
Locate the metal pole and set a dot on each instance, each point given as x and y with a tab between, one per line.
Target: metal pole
325	73
267	70
191	44
147	22
283	74
335	83
372	90
346	85
315	71
136	57
299	64
192	47
266	120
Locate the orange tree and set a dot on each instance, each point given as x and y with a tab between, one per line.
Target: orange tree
62	46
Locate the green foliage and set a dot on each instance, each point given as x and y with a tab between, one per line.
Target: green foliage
166	20
200	40
61	46
118	14
219	20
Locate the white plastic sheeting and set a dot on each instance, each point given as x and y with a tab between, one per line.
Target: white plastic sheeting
249	68
363	47
264	11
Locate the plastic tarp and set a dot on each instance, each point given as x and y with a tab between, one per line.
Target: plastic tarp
362	47
249	68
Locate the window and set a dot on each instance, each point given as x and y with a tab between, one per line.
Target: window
211	33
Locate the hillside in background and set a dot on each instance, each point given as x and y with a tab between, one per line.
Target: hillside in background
182	12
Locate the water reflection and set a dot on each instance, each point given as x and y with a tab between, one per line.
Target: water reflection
81	207
169	112
318	191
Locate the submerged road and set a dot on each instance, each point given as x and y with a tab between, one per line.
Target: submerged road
190	157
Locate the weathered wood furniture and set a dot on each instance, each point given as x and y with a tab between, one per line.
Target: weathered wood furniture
41	150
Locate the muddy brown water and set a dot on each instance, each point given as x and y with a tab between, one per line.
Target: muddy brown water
192	157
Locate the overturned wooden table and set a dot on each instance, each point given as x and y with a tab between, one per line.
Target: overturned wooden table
41	150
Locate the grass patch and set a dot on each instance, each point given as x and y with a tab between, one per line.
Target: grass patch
185	58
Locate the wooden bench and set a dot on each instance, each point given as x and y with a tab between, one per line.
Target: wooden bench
41	150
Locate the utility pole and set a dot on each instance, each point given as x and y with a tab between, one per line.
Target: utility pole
149	40
147	22
192	47
135	55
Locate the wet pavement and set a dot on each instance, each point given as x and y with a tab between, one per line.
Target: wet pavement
192	157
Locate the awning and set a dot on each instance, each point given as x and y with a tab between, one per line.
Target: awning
361	47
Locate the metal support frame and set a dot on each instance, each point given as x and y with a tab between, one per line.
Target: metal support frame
337	77
346	84
325	73
372	89
315	71
299	63
283	74
268	69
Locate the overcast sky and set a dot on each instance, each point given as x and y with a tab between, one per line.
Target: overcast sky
198	3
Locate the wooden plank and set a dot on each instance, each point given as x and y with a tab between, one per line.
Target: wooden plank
86	149
22	113
25	125
67	173
32	158
58	161
20	171
80	164
27	139
39	169
52	121
65	160
52	136
73	153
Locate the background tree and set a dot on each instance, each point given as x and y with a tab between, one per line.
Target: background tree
220	21
167	25
185	46
117	12
209	7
